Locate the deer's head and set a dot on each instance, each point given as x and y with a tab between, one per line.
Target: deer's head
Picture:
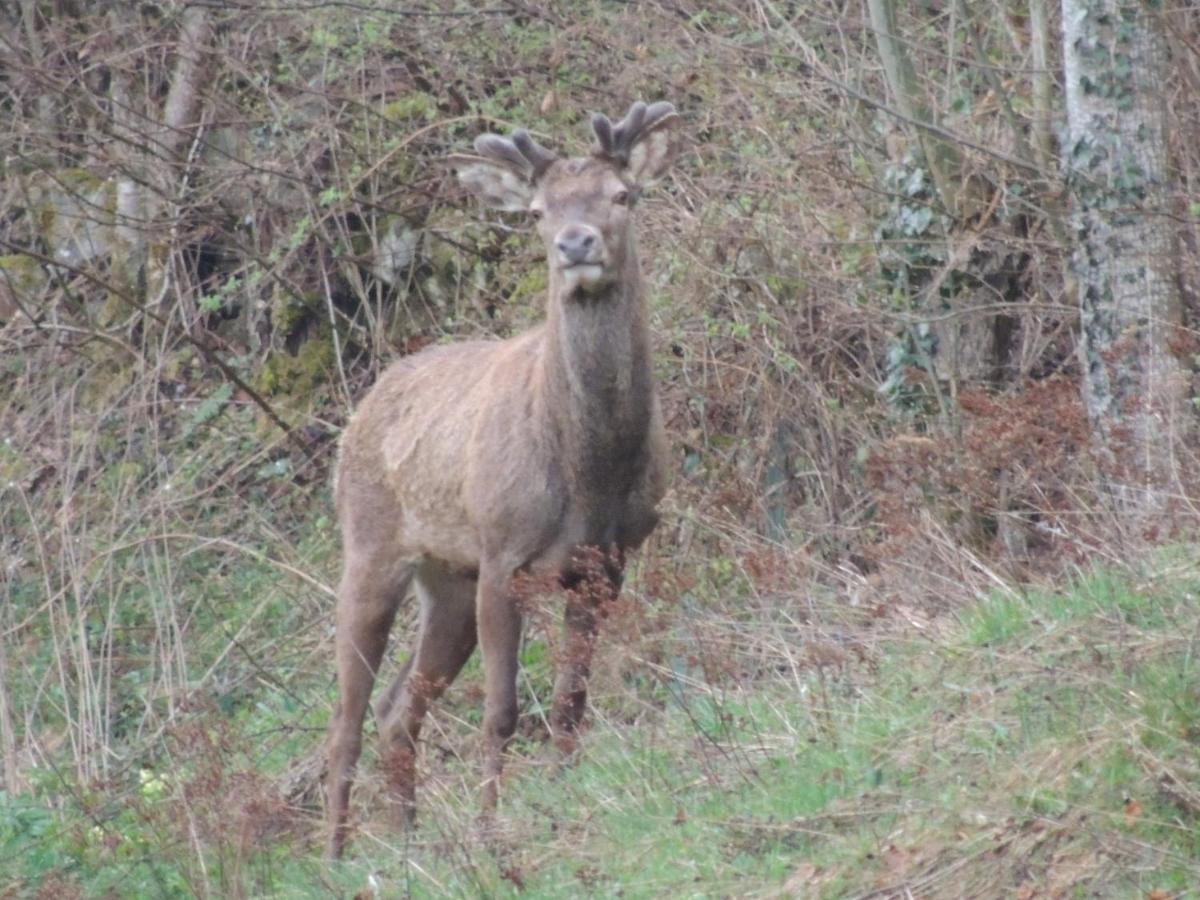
582	205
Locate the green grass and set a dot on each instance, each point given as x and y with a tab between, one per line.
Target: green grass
1047	738
1026	744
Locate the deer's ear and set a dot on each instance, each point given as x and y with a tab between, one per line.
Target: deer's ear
654	151
500	186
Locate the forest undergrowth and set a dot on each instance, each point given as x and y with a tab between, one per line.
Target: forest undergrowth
895	636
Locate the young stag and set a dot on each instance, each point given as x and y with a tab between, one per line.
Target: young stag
469	465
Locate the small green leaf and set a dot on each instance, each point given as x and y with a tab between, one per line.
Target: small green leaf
212	405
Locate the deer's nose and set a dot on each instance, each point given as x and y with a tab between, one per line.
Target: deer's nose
578	244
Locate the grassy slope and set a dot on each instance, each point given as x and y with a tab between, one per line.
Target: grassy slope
166	694
1046	743
1043	743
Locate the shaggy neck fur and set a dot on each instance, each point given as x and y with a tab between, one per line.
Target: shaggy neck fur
597	371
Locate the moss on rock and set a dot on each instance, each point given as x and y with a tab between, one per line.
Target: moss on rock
21	281
300	375
290	311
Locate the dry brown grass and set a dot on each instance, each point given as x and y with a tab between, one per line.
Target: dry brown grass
166	546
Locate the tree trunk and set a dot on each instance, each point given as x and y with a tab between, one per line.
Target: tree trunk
941	157
151	186
1115	63
1042	84
179	111
45	99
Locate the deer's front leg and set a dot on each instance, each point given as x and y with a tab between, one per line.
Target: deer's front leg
570	687
499	623
586	595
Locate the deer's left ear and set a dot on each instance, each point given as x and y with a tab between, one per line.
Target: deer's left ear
654	151
499	186
504	171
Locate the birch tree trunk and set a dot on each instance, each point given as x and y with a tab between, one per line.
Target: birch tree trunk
149	190
1115	63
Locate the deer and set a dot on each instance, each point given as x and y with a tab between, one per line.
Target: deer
470	465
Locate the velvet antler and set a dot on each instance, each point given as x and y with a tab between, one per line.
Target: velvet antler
520	152
616	142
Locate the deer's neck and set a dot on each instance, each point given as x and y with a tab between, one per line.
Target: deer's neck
598	377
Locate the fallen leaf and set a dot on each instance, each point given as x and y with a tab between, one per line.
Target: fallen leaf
805	872
897	859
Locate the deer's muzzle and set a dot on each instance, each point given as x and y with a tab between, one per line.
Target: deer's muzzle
579	245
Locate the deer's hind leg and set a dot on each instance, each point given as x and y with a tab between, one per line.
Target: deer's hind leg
445	640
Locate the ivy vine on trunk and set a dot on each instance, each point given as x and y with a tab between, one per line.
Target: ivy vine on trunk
1115	64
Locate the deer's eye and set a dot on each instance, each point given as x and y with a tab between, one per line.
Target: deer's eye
537	212
621	198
